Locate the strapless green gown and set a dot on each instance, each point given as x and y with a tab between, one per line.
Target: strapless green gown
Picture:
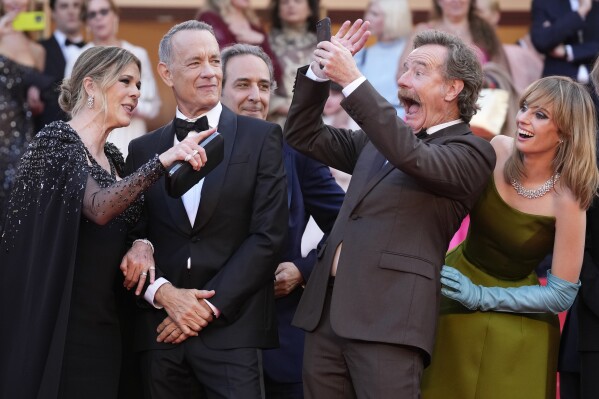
488	355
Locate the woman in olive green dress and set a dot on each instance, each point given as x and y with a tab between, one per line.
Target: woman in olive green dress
498	333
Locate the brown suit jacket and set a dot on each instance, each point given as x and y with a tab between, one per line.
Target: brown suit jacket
397	219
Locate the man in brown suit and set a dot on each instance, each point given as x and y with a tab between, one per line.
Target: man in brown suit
370	306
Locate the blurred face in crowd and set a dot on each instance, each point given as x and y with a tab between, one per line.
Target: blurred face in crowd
194	73
294	12
374	14
14	5
247	86
67	16
454	9
427	96
101	20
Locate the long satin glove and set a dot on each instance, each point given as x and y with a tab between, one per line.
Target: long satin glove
557	296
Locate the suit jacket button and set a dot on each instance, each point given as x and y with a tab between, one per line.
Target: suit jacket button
355	217
195	239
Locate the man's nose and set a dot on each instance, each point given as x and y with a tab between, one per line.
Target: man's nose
254	93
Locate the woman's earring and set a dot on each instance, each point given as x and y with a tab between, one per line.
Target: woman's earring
90	102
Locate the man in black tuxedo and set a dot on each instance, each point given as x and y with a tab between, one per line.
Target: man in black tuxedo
60	47
217	247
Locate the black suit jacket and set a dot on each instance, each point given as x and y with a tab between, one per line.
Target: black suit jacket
554	23
237	237
54	70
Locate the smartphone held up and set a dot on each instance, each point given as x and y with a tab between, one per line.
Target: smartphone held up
29	21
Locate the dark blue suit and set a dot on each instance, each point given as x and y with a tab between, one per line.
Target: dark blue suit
312	191
554	23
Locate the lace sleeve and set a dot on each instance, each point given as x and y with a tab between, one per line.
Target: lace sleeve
101	205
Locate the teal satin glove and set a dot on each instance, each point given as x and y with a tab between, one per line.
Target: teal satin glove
557	296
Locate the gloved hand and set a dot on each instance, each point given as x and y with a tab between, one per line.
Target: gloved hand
557	296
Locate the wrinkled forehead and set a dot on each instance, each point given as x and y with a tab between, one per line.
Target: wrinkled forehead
430	54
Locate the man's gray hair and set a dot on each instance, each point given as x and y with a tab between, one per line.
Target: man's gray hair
461	64
165	49
247	49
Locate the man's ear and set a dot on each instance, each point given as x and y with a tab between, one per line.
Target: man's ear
453	88
165	74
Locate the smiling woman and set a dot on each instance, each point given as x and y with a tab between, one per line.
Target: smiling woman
65	234
544	180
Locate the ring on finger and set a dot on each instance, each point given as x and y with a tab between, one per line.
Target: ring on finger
143	274
188	157
152	268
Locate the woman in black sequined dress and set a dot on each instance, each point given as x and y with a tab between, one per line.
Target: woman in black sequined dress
65	235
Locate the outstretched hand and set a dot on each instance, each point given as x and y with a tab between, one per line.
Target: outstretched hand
353	36
460	288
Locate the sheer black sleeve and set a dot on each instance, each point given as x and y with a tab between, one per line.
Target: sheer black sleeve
101	205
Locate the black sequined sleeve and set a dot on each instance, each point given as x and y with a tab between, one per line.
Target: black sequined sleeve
101	205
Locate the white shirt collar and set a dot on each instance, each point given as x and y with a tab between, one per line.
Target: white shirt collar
61	38
436	128
213	115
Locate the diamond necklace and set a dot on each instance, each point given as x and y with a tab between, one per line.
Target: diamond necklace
539	192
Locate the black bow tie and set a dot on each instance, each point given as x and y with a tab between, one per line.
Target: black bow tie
70	43
183	127
422	134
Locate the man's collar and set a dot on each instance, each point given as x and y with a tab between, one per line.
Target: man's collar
436	128
213	115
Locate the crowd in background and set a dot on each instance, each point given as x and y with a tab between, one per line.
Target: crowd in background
563	40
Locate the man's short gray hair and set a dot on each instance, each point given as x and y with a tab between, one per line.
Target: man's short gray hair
165	49
247	49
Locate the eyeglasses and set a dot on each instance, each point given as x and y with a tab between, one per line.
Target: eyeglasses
93	14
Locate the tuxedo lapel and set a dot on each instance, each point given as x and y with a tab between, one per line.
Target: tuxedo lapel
174	205
213	182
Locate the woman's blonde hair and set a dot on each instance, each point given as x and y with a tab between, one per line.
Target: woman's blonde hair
104	66
573	112
398	18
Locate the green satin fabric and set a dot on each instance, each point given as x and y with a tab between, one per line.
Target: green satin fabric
488	355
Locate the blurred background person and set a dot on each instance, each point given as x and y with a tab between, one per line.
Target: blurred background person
21	60
63	45
66	233
234	21
526	64
579	346
567	33
459	17
101	17
292	38
391	24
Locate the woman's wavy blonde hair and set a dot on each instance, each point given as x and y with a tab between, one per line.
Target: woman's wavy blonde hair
573	112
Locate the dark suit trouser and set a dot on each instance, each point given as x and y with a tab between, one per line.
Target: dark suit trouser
192	370
340	368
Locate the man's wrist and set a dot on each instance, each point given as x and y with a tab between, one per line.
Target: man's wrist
154	294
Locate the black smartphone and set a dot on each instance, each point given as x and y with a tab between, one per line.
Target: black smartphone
323	29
